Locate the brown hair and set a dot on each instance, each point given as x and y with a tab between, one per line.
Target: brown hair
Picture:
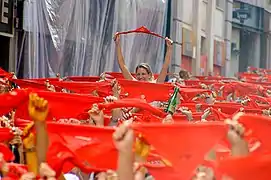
146	67
184	74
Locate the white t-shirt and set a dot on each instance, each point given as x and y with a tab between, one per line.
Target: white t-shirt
69	176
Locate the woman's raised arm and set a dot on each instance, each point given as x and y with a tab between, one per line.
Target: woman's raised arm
124	69
162	76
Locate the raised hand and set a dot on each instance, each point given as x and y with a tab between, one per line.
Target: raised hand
37	108
123	138
169	42
116	88
117	38
110	99
96	115
28	176
47	172
168	119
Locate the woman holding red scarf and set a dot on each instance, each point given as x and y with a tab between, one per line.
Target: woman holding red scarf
143	70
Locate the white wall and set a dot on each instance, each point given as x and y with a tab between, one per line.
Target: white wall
219	23
187	17
203	14
258	3
267	5
187	12
234	62
257	51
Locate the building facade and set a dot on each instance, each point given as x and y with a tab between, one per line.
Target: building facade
230	35
199	32
218	36
10	29
247	36
7	33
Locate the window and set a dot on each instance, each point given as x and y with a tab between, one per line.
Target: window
220	4
203	46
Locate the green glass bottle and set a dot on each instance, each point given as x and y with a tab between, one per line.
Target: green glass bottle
173	102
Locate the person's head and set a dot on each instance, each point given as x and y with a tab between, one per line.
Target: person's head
184	74
144	72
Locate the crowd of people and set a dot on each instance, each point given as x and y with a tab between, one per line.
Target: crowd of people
135	126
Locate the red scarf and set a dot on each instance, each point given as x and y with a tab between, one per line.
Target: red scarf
102	88
151	91
12	100
250	167
142	29
61	105
8	155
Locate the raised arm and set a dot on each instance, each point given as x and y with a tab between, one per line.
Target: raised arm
124	69
162	76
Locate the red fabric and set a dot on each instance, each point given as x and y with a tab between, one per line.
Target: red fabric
16	171
30	84
260	126
189	151
151	91
84	78
5	134
3	73
61	105
250	167
12	100
142	29
8	155
102	88
59	154
133	103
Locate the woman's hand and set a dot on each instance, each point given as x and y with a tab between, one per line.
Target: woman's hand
117	38
96	115
116	89
46	172
239	147
168	119
37	108
28	176
123	138
235	133
169	42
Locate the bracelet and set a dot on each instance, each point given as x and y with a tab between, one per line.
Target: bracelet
33	149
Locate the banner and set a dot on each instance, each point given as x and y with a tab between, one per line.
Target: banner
219	53
6	17
187	49
247	15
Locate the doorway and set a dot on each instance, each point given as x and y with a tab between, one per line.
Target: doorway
4	52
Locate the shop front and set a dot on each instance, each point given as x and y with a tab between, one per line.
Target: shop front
6	31
219	57
249	20
187	50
